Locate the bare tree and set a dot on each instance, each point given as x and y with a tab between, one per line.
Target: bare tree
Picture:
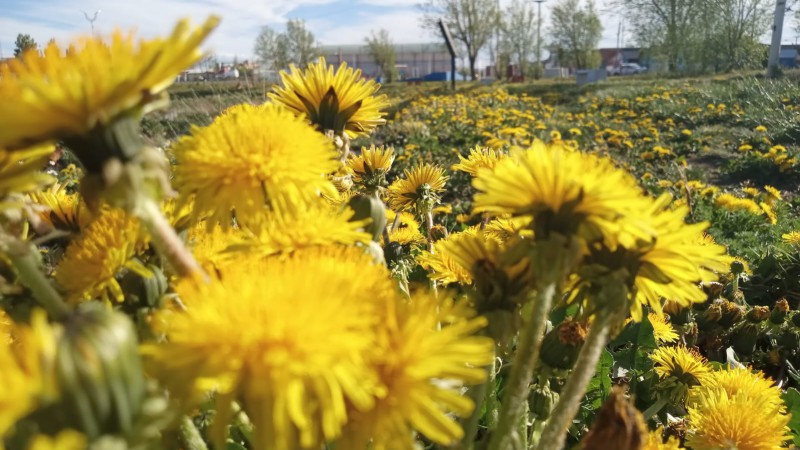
383	52
519	33
296	45
576	30
471	22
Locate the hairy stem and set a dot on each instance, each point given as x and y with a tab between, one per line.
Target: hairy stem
189	435
525	360
24	260
555	431
167	242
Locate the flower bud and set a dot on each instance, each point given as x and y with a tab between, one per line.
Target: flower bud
369	207
562	344
779	312
541	401
99	371
619	425
744	337
758	314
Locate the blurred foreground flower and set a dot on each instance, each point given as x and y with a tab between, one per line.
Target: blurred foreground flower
72	95
428	352
26	359
306	324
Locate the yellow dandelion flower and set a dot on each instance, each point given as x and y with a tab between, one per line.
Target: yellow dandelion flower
441	264
21	172
429	352
770	213
479	158
791	237
504	229
662	330
405	230
64	440
208	246
761	129
251	158
773	195
681	363
576	192
91	262
418	189
371	165
669	265
575	132
719	421
337	100
297	356
55	96
24	358
61	210
751	191
655	441
740	382
733	203
301	225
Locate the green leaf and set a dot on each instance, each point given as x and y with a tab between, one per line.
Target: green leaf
792	399
639	334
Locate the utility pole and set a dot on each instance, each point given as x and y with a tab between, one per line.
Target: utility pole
539	40
773	66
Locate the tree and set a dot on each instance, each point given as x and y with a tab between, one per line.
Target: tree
383	52
471	22
24	42
576	31
278	51
667	27
740	23
519	33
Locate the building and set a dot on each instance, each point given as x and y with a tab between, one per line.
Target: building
413	60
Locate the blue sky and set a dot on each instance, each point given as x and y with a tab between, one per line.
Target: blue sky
331	21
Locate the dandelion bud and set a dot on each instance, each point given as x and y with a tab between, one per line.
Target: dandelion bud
541	401
99	372
369	207
561	345
789	338
737	267
758	314
779	312
619	425
731	314
744	337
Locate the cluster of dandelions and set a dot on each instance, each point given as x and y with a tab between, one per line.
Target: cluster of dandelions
290	307
280	309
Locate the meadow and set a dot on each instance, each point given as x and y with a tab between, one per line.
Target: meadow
331	264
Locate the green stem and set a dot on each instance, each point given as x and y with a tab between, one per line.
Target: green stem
655	408
585	367
167	241
526	358
470	424
190	436
24	260
492	406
